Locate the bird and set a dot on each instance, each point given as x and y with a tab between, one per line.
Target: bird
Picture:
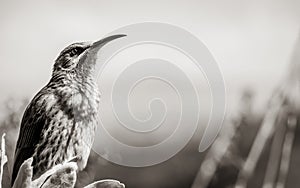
60	121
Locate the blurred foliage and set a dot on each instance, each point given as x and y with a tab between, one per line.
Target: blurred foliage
179	171
12	112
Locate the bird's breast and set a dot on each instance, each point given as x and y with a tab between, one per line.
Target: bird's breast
69	129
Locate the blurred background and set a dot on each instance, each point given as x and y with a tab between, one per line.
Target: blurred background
257	46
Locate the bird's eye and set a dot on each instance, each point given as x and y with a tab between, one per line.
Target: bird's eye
75	51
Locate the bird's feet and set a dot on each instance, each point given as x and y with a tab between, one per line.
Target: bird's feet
64	176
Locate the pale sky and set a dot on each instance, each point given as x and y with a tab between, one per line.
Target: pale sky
251	40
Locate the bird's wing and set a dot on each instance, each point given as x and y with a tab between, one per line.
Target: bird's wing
33	121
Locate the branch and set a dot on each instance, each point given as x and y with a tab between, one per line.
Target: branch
61	175
106	184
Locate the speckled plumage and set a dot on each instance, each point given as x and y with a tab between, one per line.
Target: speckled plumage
60	121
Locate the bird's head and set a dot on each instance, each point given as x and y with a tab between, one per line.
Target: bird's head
80	58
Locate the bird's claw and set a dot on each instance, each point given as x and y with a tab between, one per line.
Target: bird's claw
74	159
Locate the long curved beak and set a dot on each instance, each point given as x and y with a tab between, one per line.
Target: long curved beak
90	56
98	44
